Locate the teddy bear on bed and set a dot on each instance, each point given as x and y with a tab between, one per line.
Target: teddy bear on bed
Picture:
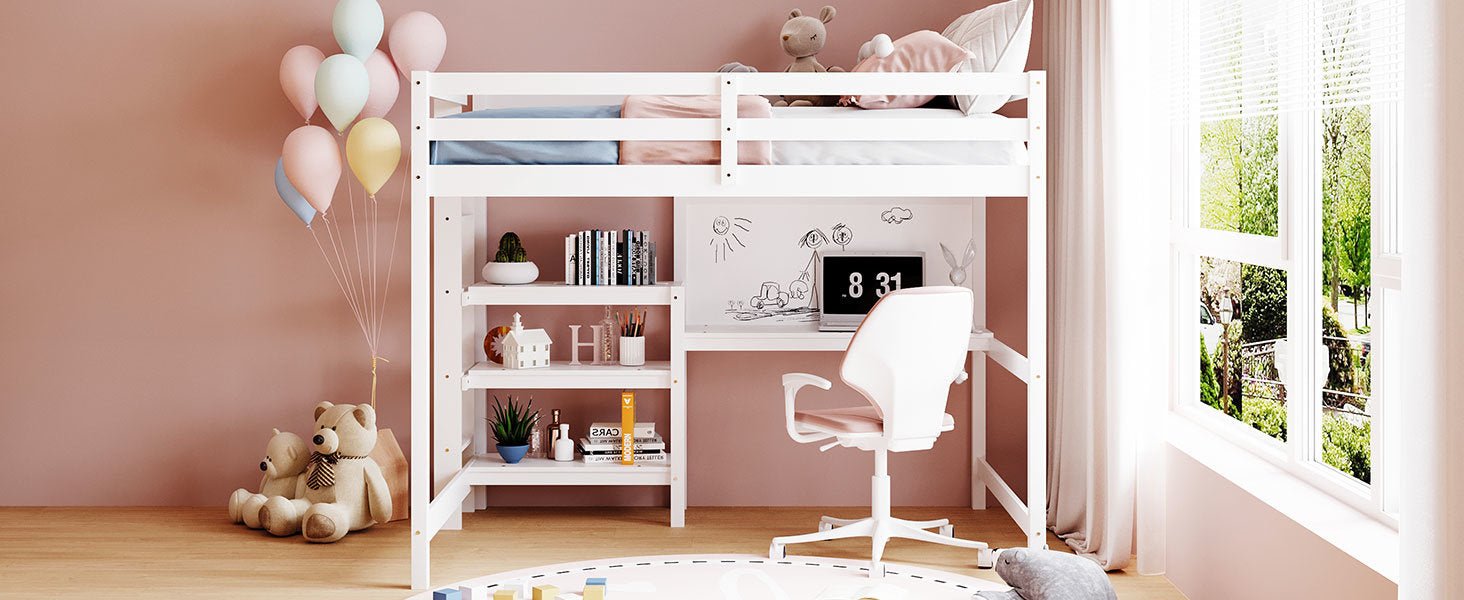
284	462
342	489
803	37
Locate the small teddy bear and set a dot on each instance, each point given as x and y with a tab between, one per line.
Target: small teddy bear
342	489
284	462
803	38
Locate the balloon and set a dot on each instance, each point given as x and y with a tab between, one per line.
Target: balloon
297	77
312	164
291	196
357	25
417	42
384	85
341	86
373	149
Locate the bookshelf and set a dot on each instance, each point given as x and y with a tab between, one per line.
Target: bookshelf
465	462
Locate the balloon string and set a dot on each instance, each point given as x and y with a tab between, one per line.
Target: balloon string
356	240
330	230
337	278
374	358
350	297
391	256
375	222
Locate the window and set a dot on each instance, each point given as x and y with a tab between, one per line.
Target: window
1285	136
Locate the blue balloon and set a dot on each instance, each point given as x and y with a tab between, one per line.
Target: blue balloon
292	198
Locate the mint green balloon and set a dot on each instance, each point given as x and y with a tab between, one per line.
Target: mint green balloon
342	87
357	25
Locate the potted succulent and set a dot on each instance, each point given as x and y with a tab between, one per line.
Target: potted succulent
511	426
511	265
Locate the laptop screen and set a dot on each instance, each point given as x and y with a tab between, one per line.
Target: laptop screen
853	281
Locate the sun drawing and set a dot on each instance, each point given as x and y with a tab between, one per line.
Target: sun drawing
724	235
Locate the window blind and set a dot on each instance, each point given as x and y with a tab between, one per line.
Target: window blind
1242	58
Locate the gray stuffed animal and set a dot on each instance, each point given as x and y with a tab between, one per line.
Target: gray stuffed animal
803	37
1048	575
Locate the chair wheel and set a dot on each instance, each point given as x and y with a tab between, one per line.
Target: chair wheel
825	526
986	558
948	530
777	551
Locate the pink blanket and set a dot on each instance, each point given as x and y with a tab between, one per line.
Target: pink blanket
694	152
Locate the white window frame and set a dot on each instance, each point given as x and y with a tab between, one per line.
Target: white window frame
1296	250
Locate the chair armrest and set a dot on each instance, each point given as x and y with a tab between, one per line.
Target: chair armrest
792	382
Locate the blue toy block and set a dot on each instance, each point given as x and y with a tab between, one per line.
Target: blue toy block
595	581
447	594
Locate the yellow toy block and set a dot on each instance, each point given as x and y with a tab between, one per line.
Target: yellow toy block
546	592
505	595
594	592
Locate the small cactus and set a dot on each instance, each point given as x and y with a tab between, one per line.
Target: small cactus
510	249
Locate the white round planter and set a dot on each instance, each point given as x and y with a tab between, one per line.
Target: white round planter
510	273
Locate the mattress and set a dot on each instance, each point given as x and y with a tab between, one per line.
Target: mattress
892	152
531	153
783	152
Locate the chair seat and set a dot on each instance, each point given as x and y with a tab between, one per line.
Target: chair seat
853	420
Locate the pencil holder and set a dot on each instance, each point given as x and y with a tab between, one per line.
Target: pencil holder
633	351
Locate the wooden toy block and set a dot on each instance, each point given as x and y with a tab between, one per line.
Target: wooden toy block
474	592
447	594
546	592
596	581
505	594
594	592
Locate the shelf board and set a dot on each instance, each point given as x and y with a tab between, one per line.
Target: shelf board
489	469
557	293
785	337
564	376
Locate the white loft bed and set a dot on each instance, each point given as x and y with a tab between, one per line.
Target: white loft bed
449	227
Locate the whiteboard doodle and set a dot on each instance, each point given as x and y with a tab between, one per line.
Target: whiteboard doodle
762	267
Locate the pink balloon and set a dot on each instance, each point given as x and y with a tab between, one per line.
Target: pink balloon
297	78
417	42
384	85
313	164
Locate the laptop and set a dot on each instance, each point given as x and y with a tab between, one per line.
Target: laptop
851	282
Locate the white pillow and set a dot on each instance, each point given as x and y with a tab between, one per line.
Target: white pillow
998	37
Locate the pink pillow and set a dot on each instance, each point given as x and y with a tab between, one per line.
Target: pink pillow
920	52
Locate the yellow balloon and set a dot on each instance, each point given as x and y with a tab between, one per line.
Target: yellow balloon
373	149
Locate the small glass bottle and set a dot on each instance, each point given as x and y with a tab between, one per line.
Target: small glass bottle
610	340
536	441
551	432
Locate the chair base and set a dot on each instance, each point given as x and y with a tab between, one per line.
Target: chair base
881	529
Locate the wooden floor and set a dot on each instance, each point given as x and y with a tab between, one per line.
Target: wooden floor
195	553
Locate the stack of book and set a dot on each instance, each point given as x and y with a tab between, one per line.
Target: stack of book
596	257
603	445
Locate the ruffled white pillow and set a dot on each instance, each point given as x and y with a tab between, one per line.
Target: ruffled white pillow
998	37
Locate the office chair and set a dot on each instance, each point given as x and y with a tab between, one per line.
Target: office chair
905	356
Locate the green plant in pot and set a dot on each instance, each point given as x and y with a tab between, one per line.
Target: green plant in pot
511	424
511	265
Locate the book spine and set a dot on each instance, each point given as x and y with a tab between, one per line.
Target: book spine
615	459
612	430
627	428
569	260
615	447
584	257
651	265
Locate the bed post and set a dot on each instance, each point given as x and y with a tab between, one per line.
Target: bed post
421	245
978	358
1036	526
728	124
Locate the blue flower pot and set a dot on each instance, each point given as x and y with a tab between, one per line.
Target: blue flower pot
512	454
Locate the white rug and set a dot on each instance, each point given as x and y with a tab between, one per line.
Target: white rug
738	577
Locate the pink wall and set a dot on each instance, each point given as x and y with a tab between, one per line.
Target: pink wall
162	310
1224	543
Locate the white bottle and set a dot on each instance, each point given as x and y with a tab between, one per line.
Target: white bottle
564	447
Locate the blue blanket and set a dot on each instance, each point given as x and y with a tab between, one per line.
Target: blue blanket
531	153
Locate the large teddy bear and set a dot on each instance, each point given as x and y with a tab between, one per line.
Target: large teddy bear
342	489
283	465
